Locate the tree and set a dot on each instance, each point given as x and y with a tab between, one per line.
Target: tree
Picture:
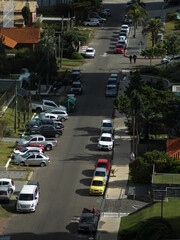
149	52
137	13
153	26
172	44
2	46
82	8
26	15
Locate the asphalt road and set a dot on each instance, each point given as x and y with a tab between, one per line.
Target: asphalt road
65	183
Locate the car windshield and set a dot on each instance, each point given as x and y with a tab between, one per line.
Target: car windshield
89	50
87	220
119	46
23	150
107	125
99	174
28	138
112	82
106	139
101	164
4	193
76	85
111	88
26	197
97	183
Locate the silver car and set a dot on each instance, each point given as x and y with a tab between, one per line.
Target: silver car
111	91
61	114
101	172
33	158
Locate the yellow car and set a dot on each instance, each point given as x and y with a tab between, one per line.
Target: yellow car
98	186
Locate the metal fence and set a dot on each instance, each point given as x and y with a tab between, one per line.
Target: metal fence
7	98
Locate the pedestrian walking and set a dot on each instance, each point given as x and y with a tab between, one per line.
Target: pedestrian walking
134	57
130	58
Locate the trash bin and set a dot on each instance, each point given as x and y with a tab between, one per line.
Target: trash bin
70	104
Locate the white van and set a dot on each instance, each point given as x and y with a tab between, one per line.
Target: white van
28	199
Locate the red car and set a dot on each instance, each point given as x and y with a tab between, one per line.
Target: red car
28	145
119	48
103	163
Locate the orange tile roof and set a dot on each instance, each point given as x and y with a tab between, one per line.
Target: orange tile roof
22	35
8	42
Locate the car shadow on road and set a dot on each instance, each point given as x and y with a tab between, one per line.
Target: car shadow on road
83	192
10	206
88	173
73	227
94	139
89	131
86	181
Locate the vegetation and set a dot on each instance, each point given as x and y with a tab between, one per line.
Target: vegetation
26	15
135	225
6	149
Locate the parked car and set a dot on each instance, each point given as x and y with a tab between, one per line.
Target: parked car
35	183
25	150
76	88
105	142
111	90
101	172
122	43
123	39
123	34
46	115
62	115
127	21
170	58
114	75
47	131
123	31
119	48
75	76
90	52
36	122
5	194
7	182
103	163
45	105
108	11
98	18
107	126
91	23
112	81
47	143
126	27
28	199
98	186
76	69
88	221
30	145
33	158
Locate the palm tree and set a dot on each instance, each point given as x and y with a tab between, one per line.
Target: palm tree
153	26
137	13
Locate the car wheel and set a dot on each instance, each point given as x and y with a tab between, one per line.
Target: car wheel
42	164
62	119
57	135
22	164
38	110
48	147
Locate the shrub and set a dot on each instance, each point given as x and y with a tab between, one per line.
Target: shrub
149	70
7	132
171	16
76	55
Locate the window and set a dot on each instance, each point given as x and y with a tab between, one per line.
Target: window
26	197
33	139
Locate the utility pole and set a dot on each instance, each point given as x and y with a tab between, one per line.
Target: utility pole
15	110
62	38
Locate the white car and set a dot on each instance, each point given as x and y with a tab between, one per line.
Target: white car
126	27
105	142
44	115
61	114
7	182
122	39
91	22
90	52
26	150
101	172
106	126
98	18
28	199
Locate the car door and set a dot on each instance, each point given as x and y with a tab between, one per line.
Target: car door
31	160
36	193
39	159
34	139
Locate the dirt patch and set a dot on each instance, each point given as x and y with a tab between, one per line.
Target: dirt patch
3	224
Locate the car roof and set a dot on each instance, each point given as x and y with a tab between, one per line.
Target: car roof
28	189
106	121
114	74
77	82
100	169
107	134
75	73
5	179
111	85
89	48
125	25
103	160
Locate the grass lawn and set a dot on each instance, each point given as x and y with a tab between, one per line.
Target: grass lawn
6	149
166	178
171	212
72	62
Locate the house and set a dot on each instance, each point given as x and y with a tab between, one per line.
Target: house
17	12
20	37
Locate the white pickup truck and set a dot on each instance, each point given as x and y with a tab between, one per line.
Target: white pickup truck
45	105
47	143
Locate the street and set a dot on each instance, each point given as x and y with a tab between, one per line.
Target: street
65	183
